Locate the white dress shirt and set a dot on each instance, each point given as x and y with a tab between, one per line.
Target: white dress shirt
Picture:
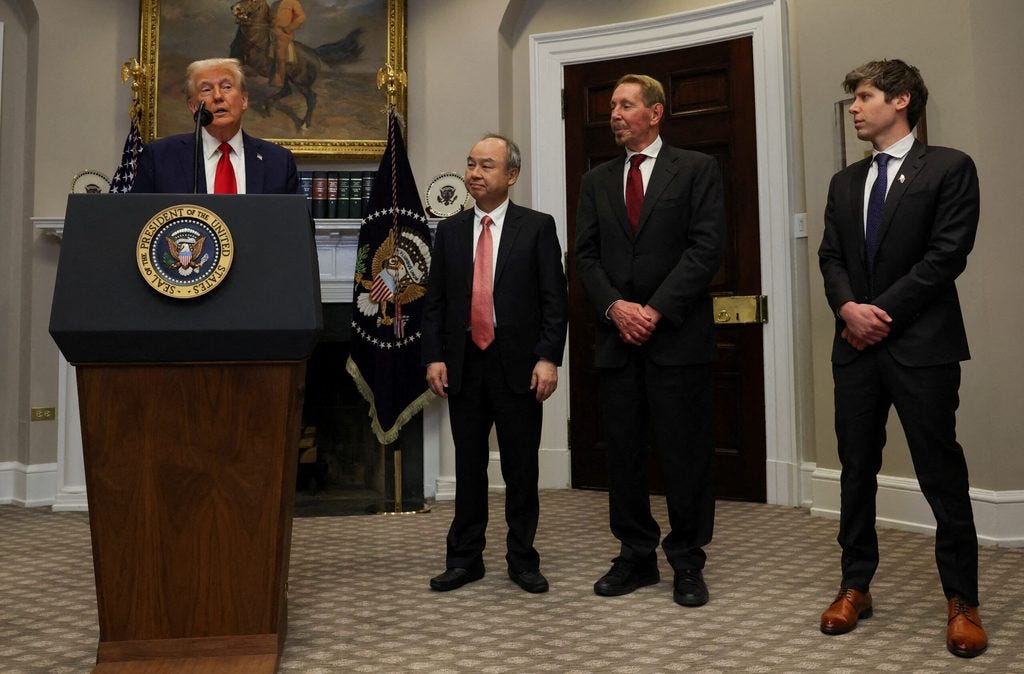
646	166
211	153
897	153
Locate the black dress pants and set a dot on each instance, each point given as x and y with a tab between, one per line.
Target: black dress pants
485	400
926	399
676	404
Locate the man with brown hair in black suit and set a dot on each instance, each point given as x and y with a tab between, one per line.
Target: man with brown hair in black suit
649	232
898	228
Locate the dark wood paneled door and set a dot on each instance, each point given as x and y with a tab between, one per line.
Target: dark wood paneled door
710	108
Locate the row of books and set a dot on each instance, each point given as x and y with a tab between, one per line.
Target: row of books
337	194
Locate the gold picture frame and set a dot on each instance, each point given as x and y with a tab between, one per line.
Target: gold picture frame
348	120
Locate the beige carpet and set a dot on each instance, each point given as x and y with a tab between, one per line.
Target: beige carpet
359	600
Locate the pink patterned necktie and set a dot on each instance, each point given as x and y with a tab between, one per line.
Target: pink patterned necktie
634	190
481	308
224	179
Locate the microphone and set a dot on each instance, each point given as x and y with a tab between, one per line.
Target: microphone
202	117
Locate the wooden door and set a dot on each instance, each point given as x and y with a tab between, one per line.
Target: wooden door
710	108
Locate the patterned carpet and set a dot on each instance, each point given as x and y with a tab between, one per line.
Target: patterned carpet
359	600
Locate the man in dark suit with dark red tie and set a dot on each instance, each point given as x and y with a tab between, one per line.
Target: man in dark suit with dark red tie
494	324
898	229
649	232
231	161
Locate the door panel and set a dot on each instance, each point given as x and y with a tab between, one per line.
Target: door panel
710	108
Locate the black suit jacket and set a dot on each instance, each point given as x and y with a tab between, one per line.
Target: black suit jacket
530	298
670	262
928	227
166	166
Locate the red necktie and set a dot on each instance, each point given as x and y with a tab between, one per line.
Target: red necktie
481	308
634	190
224	180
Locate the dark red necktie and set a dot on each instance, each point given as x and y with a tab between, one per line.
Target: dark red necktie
634	190
481	306
224	180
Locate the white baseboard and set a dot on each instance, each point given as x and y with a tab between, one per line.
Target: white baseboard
998	515
30	486
555	473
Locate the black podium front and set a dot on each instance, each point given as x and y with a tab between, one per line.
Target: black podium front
191	410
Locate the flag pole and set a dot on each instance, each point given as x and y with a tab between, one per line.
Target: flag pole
393	81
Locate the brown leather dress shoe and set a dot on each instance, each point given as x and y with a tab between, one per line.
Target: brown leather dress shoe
849	606
965	636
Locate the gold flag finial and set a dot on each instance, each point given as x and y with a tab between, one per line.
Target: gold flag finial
137	73
393	80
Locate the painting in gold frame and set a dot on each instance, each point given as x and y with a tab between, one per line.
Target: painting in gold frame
340	47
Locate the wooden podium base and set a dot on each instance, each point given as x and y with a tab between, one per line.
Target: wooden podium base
238	664
190	474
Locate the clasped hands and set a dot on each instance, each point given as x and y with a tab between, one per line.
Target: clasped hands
635	322
866	324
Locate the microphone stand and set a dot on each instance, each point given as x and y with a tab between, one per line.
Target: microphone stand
202	117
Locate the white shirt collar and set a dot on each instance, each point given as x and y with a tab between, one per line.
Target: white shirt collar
651	150
211	145
497	215
899	149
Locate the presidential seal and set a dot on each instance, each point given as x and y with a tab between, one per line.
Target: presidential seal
397	276
184	251
447	195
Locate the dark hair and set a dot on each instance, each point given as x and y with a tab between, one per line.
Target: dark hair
892	77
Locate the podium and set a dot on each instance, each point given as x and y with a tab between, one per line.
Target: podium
190	412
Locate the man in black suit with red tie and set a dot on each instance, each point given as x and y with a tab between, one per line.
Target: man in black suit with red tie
649	233
231	161
494	324
898	229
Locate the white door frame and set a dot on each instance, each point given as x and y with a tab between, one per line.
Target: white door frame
765	22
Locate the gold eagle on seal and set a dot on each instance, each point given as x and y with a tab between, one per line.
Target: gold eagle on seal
397	277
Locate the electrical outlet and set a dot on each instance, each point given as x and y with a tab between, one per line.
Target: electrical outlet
800	226
44	413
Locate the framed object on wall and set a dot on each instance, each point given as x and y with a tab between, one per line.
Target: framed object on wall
328	106
849	148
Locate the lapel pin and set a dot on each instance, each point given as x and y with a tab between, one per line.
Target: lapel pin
260	157
903	178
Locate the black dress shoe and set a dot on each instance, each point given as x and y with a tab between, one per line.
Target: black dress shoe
626	576
455	577
689	588
531	581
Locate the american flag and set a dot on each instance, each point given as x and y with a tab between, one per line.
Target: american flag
383	287
124	176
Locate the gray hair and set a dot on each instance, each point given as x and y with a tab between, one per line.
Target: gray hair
513	160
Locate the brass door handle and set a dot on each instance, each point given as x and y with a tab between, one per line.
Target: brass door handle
740	309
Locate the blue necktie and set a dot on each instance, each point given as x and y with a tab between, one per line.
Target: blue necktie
876	202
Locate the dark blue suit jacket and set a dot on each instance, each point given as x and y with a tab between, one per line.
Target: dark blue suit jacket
166	166
928	227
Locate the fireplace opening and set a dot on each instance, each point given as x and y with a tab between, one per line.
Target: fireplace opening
342	468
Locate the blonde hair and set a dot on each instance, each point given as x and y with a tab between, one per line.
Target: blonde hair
651	90
234	66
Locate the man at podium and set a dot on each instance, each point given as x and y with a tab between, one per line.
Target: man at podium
234	161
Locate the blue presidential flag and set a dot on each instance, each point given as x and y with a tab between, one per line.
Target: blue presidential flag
392	263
